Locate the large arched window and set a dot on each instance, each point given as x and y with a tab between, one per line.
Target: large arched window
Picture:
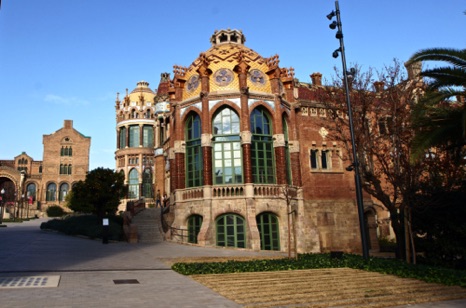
194	226
63	191
31	191
51	193
231	231
147	190
148	136
227	155
262	154
122	137
194	164
133	187
267	223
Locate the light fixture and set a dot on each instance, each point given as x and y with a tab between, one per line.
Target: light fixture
355	165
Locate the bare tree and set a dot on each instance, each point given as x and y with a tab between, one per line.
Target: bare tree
383	136
289	194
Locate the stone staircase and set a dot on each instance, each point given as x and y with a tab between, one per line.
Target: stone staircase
149	225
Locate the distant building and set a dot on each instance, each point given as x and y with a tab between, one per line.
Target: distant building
39	184
240	147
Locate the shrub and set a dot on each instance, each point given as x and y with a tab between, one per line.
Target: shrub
87	225
387	245
55	211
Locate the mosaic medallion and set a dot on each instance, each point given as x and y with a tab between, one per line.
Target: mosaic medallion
257	77
192	83
223	77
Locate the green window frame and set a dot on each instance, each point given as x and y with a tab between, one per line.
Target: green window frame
194	227
231	231
262	151
148	136
269	231
122	137
227	152
147	190
194	162
134	136
133	184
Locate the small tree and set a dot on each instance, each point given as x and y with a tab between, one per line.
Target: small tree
99	194
383	135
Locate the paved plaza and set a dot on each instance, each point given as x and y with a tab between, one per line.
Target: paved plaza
47	269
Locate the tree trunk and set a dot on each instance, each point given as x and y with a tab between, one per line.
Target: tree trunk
397	220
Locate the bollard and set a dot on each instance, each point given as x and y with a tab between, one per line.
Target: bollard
105	227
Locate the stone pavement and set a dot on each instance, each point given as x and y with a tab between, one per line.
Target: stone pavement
92	274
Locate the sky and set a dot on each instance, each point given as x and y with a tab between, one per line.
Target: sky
67	59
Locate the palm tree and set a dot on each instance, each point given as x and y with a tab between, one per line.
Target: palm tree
440	119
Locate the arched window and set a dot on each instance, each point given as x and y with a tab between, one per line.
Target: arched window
122	137
194	226
194	164
31	191
133	187
227	154
267	223
147	190
63	191
70	152
148	114
231	231
134	136
148	136
262	153
51	193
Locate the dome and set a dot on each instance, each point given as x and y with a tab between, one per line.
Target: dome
226	52
142	89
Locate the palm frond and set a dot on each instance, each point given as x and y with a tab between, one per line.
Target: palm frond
456	57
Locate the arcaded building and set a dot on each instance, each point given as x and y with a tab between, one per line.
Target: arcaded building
240	147
37	184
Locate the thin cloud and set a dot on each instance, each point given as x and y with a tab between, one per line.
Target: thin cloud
66	101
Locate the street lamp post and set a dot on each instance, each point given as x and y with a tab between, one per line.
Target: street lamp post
355	165
2	204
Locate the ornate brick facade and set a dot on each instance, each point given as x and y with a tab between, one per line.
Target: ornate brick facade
248	162
35	185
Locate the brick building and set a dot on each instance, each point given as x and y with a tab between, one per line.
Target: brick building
29	184
240	147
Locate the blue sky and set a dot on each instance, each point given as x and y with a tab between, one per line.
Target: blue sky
67	59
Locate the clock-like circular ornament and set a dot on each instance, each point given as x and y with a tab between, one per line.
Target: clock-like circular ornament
193	83
223	77
257	77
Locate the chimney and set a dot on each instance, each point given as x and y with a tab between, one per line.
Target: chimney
414	70
68	124
316	79
379	85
